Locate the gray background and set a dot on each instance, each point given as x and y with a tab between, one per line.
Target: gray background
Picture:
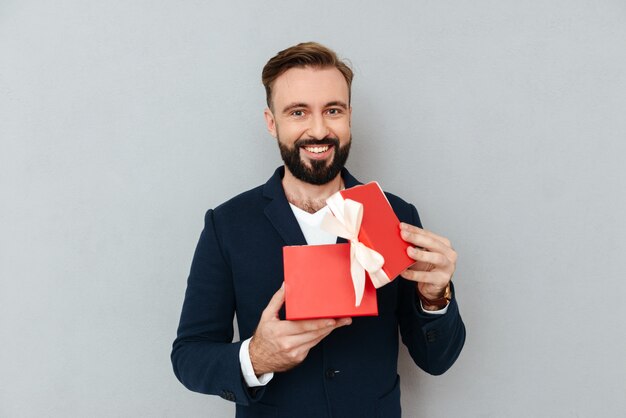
121	122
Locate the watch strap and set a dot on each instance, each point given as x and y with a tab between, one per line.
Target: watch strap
439	302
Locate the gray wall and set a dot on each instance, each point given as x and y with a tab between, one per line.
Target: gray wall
122	122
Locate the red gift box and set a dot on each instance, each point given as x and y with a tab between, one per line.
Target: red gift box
318	283
323	281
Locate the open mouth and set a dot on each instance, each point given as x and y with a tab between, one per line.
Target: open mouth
317	151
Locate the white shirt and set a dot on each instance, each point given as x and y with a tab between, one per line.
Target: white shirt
314	235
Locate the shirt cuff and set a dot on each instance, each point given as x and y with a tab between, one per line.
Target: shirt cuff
248	371
439	312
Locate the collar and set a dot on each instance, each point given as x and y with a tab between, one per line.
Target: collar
279	212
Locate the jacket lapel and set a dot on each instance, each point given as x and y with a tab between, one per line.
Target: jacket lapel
279	212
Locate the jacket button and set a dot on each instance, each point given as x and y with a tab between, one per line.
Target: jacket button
330	373
228	395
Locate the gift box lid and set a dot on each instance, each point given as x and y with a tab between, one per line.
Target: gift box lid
380	227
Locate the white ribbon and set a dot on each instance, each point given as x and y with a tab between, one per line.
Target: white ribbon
346	223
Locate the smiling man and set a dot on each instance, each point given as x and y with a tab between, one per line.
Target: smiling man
339	367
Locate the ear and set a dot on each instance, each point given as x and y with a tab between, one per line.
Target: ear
350	116
270	122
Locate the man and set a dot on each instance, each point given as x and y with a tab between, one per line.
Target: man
342	367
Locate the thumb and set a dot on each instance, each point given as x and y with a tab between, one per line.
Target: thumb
274	305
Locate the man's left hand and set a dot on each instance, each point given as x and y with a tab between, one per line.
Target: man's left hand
435	260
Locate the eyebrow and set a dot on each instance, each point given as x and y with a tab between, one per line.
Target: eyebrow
297	105
337	103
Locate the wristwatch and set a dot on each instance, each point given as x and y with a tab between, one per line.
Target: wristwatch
439	303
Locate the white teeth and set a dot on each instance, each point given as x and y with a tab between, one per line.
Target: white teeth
317	150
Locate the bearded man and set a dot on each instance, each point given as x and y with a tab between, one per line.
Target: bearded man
340	367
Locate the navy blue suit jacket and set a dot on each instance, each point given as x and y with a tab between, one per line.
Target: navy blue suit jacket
236	269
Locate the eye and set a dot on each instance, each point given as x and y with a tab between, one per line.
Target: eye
297	113
334	111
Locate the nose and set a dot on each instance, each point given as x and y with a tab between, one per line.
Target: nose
318	127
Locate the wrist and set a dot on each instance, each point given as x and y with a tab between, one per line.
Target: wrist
252	379
254	361
435	303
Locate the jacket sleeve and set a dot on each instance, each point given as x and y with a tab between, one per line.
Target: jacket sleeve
434	341
203	356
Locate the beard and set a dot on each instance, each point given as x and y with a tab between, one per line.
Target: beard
320	172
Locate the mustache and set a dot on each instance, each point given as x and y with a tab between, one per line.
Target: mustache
316	142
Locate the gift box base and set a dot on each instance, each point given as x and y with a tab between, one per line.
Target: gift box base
318	284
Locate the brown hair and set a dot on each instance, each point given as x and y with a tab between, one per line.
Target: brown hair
306	54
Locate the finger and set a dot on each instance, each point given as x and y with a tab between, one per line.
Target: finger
419	234
412	228
314	342
311	338
306	325
431	262
434	278
274	305
312	325
297	354
416	229
417	276
291	343
435	260
420	238
424	241
421	266
307	346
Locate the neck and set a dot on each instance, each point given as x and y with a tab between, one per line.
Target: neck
309	197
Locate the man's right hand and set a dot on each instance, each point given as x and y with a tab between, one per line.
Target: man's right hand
277	346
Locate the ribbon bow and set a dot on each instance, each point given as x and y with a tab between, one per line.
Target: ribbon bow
346	223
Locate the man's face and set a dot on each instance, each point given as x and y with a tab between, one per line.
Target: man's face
310	118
